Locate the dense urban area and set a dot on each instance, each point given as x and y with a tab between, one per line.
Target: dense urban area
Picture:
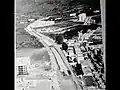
60	47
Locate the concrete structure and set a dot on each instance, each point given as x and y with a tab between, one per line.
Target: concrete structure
22	65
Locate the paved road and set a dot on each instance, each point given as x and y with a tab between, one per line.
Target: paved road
60	58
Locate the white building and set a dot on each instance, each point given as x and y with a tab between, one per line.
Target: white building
82	17
31	20
80	58
73	14
80	35
22	65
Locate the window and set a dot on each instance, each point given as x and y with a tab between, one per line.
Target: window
22	70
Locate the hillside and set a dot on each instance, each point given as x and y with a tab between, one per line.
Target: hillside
23	39
51	7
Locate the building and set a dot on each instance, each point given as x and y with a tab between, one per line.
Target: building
82	17
73	15
31	19
22	66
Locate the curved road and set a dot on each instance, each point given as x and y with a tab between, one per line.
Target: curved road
59	60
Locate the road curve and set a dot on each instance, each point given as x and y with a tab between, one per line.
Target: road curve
60	59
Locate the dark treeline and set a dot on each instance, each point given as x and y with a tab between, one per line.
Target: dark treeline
59	7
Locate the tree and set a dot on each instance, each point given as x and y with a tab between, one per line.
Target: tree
64	46
58	7
59	39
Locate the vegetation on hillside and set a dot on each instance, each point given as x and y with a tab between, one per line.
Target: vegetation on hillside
54	7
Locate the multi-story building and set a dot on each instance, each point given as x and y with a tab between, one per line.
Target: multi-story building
22	66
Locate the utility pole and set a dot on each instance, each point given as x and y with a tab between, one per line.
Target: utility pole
102	7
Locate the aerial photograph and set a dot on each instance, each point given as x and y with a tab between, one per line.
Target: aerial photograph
60	45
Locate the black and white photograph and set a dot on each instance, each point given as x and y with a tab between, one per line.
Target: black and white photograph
60	45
